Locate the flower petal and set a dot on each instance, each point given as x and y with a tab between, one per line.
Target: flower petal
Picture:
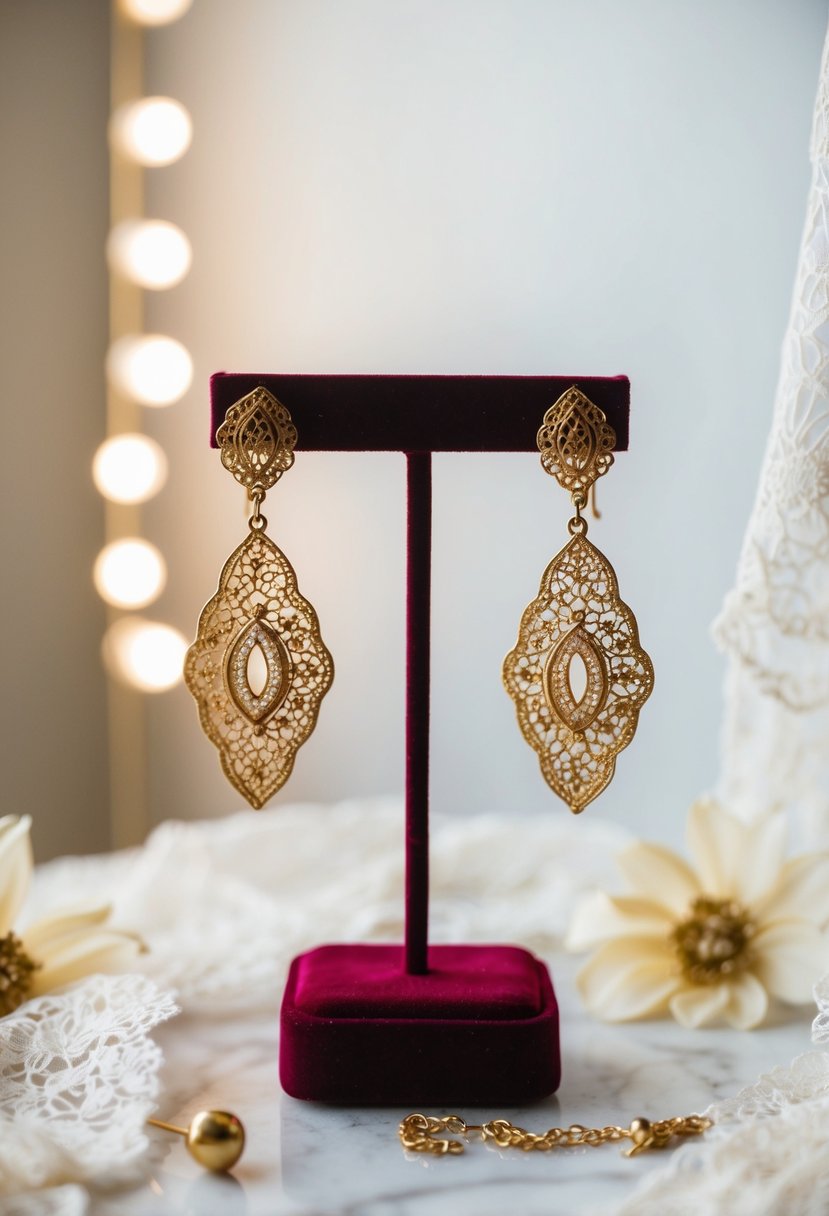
748	1002
802	891
628	979
735	860
600	918
84	952
700	1005
43	934
792	955
660	875
15	866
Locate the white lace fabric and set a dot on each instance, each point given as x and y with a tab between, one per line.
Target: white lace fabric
79	1071
78	1079
269	891
69	1200
775	621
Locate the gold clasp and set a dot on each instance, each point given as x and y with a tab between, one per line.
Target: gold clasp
646	1135
643	1136
419	1134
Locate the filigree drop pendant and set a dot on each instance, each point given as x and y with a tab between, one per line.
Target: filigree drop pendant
578	675
258	720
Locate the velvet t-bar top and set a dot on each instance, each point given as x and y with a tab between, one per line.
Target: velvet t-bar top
420	413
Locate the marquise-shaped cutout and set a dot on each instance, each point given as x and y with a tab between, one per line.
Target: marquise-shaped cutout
258	707
577	712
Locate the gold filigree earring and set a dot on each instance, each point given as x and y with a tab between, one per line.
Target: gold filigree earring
258	720
578	625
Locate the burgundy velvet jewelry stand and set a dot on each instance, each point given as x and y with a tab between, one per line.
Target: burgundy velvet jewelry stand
418	1024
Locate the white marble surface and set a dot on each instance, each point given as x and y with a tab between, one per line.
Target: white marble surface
308	1160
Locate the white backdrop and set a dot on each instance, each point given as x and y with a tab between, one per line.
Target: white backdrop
510	186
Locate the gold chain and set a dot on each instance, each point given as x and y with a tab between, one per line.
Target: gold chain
421	1134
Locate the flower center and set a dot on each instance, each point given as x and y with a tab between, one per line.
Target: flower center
15	973
713	943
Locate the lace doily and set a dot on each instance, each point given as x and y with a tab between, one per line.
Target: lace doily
775	622
78	1079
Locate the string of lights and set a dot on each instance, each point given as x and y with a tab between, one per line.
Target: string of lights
143	371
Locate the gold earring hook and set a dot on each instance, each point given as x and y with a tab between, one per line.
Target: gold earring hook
594	507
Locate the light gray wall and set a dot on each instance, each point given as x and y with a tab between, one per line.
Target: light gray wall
54	84
484	186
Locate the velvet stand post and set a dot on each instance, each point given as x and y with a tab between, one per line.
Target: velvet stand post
414	1024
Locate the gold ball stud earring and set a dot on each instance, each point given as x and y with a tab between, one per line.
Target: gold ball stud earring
215	1138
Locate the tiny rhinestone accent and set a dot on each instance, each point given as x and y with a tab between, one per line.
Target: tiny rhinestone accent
257	707
577	714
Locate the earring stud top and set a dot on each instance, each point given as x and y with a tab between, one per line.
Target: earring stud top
257	441
576	442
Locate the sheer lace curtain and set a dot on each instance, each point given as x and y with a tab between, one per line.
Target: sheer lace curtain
774	627
775	622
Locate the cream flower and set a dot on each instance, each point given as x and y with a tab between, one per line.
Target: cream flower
58	949
709	944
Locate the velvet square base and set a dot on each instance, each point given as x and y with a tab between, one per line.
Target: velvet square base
480	1028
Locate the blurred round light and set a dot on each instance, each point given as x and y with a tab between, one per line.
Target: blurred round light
152	131
152	368
144	654
129	573
151	253
129	468
155	12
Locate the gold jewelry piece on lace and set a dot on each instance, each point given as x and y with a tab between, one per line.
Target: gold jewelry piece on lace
578	618
421	1134
258	608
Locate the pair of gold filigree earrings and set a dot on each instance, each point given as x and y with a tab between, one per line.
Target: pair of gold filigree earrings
577	621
